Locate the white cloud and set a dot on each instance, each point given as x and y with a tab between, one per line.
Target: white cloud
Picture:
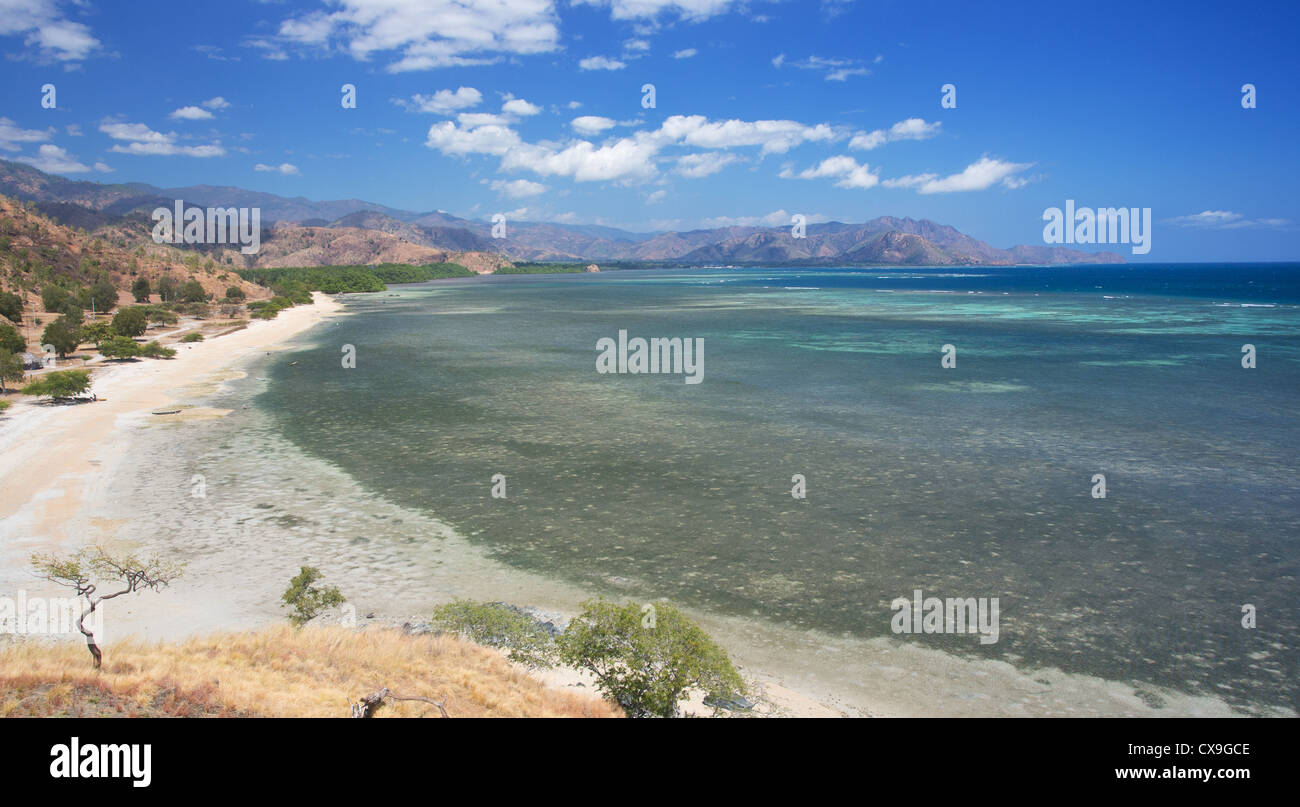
692	10
1225	220
518	106
431	33
778	60
493	139
696	166
979	175
626	159
591	124
777	218
600	63
190	113
575	105
472	119
685	53
443	102
517	188
636	45
910	129
216	103
775	136
53	160
844	169
656	197
836	69
43	28
283	168
142	140
11	134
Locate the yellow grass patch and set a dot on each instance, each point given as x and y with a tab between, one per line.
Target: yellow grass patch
279	672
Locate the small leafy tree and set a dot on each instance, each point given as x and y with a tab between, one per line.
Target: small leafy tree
53	297
131	321
63	334
307	599
191	291
141	290
11	340
91	568
166	288
11	368
100	295
96	332
59	384
119	347
496	624
235	294
11	306
645	660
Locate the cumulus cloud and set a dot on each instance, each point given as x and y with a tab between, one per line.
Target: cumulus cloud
11	135
216	103
685	53
696	166
910	129
142	140
283	168
53	160
845	170
428	34
190	113
518	106
443	102
775	136
979	175
44	29
591	124
517	188
600	63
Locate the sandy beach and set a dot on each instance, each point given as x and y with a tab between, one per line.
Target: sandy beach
59	469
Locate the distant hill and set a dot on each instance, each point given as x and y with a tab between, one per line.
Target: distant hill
301	232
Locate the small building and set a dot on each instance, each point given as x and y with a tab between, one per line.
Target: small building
33	362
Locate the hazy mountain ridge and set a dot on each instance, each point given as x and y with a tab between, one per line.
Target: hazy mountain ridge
401	235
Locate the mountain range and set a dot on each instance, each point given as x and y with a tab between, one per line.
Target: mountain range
301	232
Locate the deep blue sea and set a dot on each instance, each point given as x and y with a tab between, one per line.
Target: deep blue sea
970	481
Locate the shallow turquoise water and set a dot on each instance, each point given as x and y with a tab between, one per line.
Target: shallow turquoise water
965	482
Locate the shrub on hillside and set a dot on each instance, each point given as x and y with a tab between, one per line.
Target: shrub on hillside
496	624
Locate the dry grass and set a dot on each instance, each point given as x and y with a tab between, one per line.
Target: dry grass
278	672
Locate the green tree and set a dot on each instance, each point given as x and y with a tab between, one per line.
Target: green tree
92	572
646	658
496	624
11	306
191	291
132	321
63	334
11	368
96	332
307	599
11	340
235	294
59	384
99	296
140	290
119	347
166	287
53	297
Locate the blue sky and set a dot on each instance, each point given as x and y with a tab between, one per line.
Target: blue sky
762	109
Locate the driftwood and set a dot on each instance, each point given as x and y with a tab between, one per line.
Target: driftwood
368	705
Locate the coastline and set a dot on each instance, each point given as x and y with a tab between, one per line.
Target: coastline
61	463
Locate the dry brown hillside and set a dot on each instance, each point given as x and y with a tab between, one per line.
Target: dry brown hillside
278	672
